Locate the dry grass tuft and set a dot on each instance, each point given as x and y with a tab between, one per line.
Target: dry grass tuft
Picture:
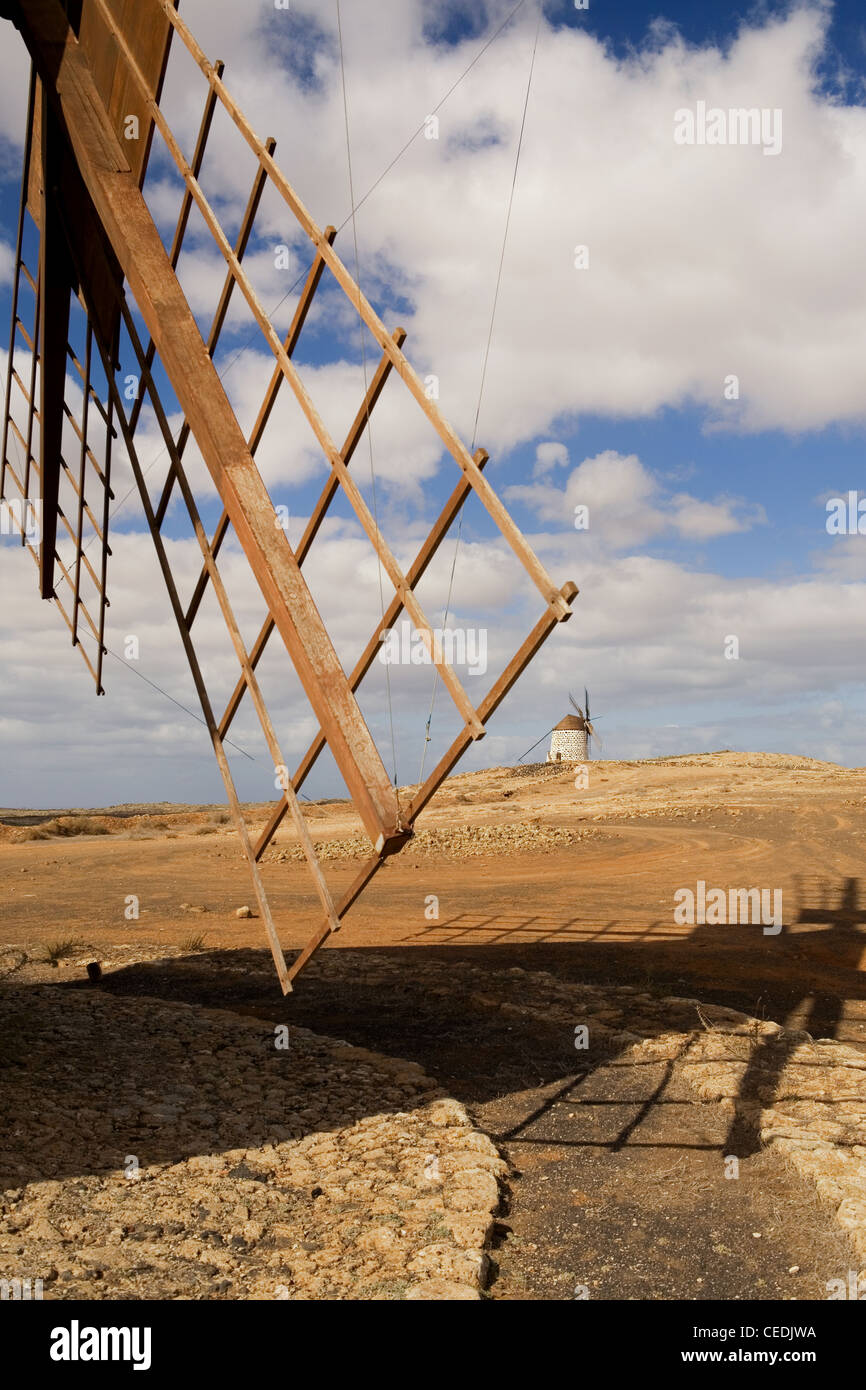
194	942
63	826
56	951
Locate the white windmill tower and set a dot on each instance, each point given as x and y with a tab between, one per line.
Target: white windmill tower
571	740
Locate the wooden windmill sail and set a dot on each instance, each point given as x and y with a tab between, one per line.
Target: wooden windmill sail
96	65
586	720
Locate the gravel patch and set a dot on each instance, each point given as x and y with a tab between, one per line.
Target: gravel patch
158	1150
457	842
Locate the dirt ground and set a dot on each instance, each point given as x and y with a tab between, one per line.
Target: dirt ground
614	1179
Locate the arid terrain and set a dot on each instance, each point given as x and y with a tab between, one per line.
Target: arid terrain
523	910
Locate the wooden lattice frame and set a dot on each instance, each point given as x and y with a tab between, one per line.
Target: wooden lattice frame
94	61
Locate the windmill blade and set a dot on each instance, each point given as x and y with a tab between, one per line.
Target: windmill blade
103	274
586	698
576	705
592	734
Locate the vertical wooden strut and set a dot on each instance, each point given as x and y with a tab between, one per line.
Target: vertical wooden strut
55	281
82	479
135	241
201	689
16	285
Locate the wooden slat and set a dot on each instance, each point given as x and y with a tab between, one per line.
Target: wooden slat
31	398
85	411
21	440
10	469
70	582
218	321
34	182
32	462
25	335
93	396
93	460
16	286
298	320
182	222
492	701
55	279
88	663
75	484
106	498
23	389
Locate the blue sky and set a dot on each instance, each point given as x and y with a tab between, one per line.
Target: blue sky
604	385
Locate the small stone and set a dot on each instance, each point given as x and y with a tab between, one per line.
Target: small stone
380	1239
429	1290
244	911
42	1229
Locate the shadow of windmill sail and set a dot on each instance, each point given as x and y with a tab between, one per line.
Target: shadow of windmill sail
839	915
835	951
